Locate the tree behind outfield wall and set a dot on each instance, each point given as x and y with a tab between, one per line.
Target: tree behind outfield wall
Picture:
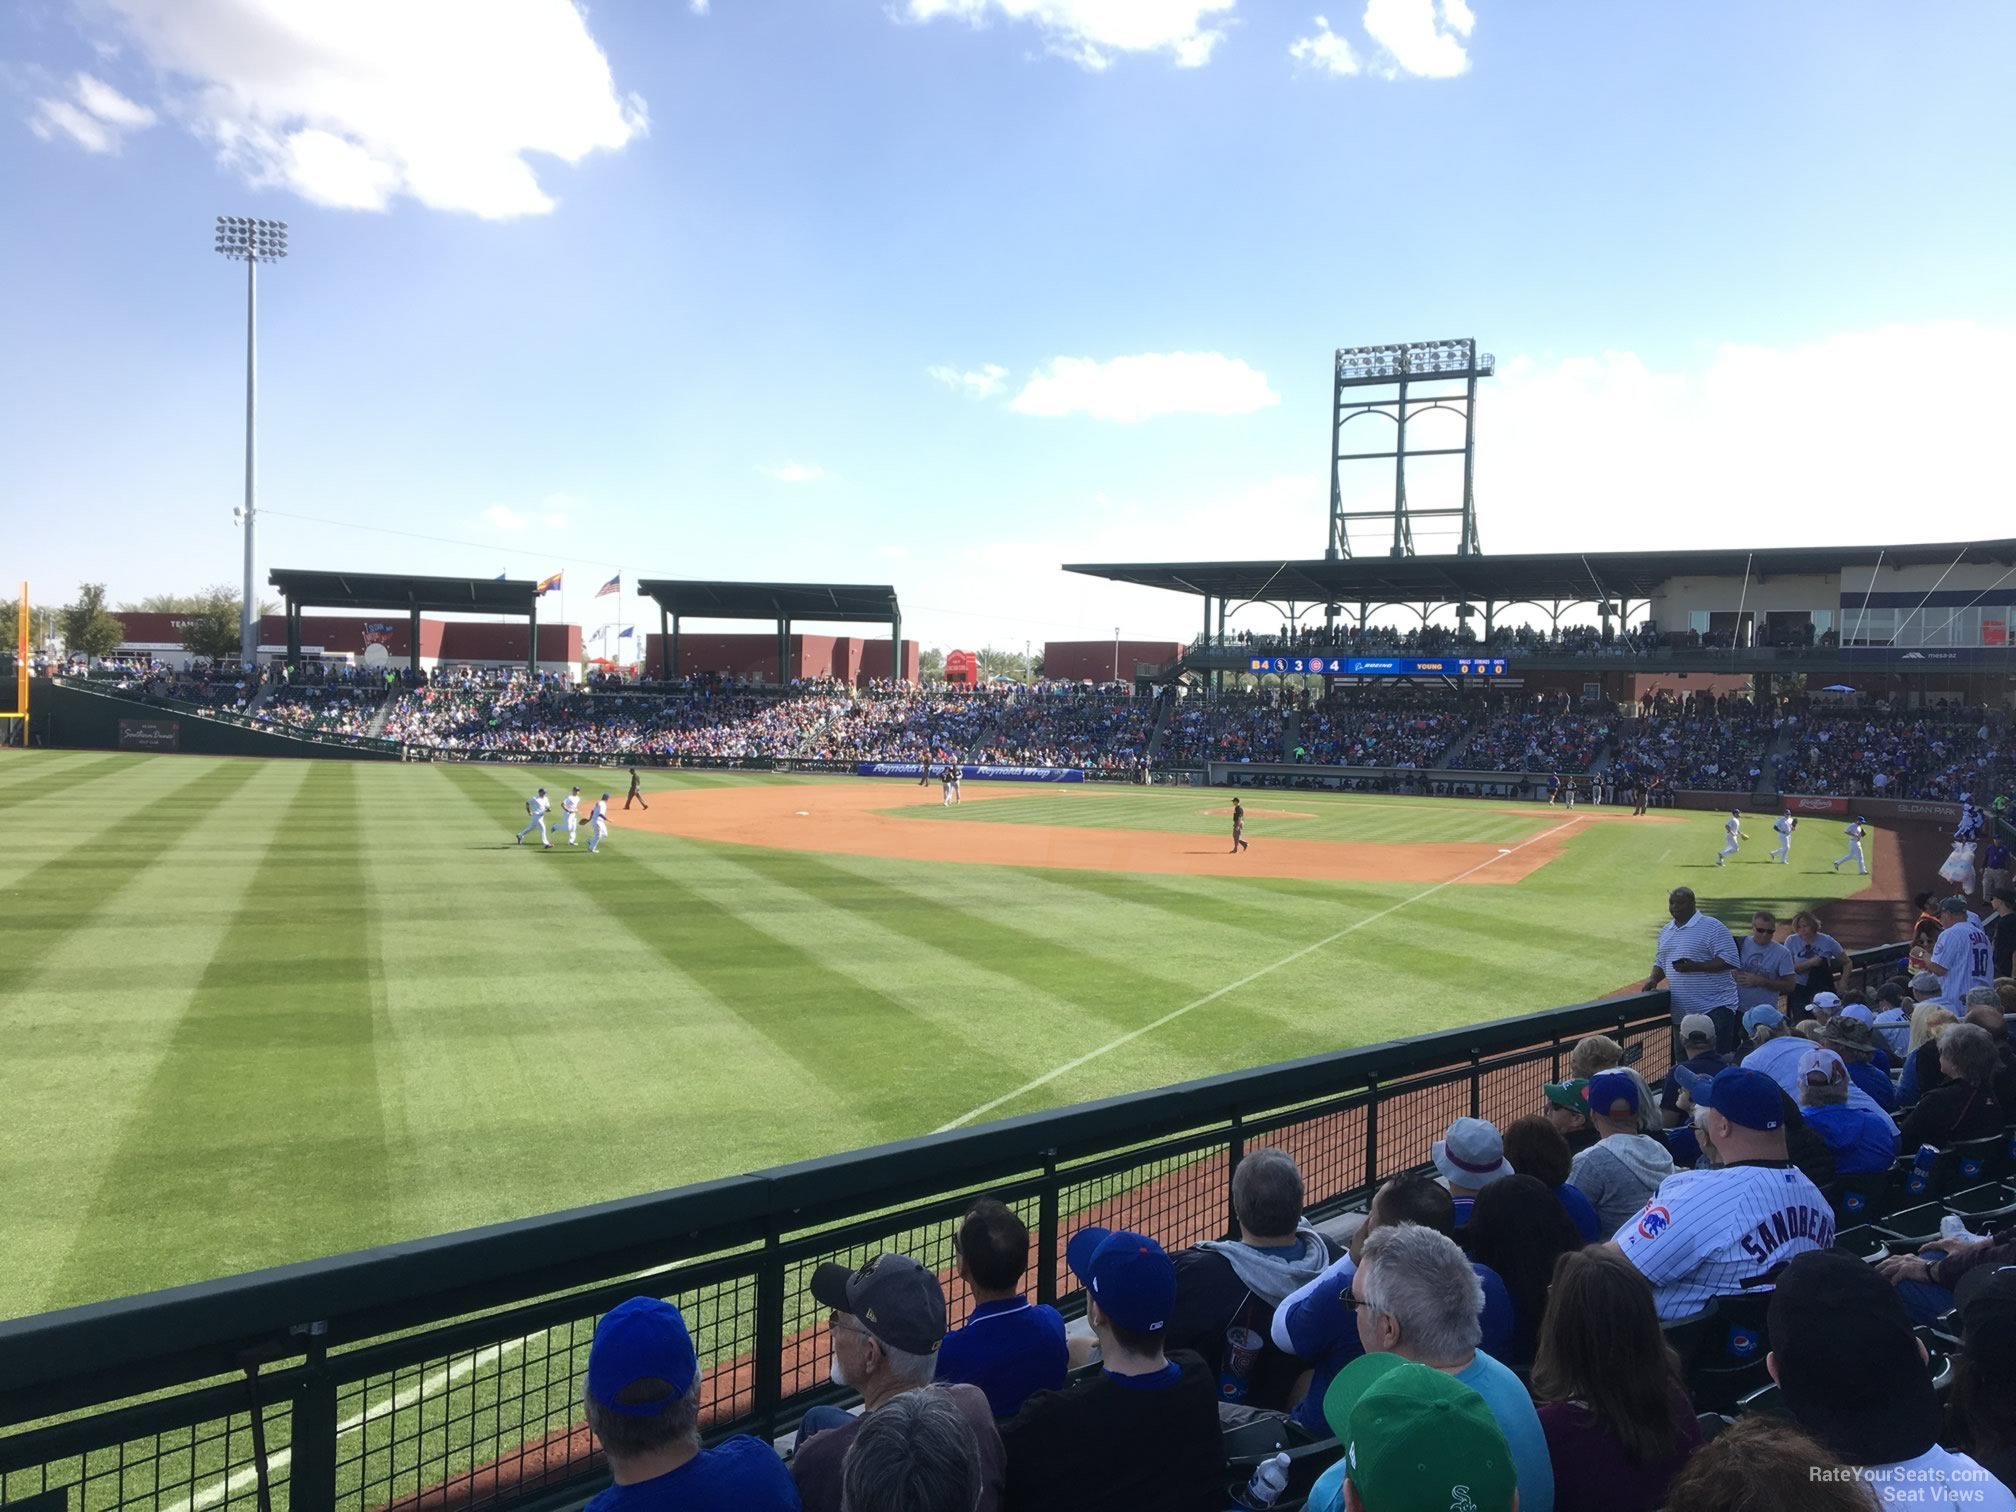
89	629
930	664
1009	664
210	624
190	603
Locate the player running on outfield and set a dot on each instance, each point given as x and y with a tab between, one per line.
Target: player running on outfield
536	806
570	815
1238	827
598	823
1784	824
1855	832
636	793
1733	830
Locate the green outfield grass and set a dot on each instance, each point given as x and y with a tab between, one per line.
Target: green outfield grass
261	1011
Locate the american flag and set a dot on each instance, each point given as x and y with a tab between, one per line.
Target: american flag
614	585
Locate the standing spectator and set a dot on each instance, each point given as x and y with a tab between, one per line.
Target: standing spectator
1708	1233
1764	972
1697	1044
915	1454
1567	1113
643	1402
1416	1296
1534	1147
887	1321
1621	1171
1143	1432
1227	1289
1817	959
1470	1156
1618	1422
1855	1377
1981	1412
1696	955
1962	956
1963	1106
1518	1229
1761	1463
2001	931
1009	1347
1862	1139
1414	1437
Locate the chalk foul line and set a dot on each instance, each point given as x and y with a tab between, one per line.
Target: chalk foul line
1246	981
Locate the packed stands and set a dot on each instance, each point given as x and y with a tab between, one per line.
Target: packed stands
1238	727
911	723
1538	737
1934	754
1701	750
1067	724
1373	734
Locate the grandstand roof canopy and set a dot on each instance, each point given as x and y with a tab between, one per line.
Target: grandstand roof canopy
702	598
384	590
1540	575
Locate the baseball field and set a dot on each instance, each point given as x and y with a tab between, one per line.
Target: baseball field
255	1012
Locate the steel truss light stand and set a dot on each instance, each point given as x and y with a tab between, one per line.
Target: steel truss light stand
251	242
1401	383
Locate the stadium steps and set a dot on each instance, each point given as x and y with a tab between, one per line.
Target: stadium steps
375	730
266	691
1451	760
1767	777
1291	732
1166	707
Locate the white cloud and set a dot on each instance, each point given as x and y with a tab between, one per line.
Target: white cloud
792	472
1090	32
1140	388
503	517
1324	50
356	103
97	121
699	7
1424	38
975	383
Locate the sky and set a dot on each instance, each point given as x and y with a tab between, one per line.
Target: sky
946	293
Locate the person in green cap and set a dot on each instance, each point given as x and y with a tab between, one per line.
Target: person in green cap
1568	1112
1415	1439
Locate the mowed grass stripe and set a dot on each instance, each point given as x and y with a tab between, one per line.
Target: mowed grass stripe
1284	814
52	776
263	1116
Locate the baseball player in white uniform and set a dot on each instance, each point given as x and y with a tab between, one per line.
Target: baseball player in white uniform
537	806
1733	834
598	823
1855	832
1784	824
570	812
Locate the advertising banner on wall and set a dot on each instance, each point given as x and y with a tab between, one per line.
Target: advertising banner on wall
971	773
150	734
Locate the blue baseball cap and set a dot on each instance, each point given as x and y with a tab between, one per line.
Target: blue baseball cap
640	1340
1762	1017
1749	1099
1608	1088
1130	1275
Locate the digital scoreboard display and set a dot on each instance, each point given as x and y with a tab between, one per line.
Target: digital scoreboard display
1382	666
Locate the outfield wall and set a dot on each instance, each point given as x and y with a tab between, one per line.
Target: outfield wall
67	715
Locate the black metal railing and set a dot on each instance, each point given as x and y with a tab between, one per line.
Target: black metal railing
447	1372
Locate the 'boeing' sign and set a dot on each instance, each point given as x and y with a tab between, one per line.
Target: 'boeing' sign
1381	666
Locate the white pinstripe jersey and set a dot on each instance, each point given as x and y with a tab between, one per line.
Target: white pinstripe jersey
1705	1233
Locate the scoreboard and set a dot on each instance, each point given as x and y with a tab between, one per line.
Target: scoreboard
1382	666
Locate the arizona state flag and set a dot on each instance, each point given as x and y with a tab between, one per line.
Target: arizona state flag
551	584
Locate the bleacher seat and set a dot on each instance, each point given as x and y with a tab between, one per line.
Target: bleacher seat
1863	1241
1684	1336
1729	1362
1939	1178
1981	1160
1860	1199
1985	1207
1907	1228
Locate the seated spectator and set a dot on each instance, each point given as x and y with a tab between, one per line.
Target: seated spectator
1685	1245
1533	1147
1697	1045
1143	1432
1593	1053
1567	1113
1227	1289
1921	1072
914	1454
1415	1295
1854	1375
1862	1141
1519	1229
1009	1347
1851	1034
643	1402
1414	1437
1317	1324
887	1321
1987	1014
1981	1409
1621	1171
1892	1021
1615	1411
1470	1156
1762	1463
1963	1105
1776	1052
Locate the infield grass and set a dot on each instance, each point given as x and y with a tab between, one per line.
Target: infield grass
262	1011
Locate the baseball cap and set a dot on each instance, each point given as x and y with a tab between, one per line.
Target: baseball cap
1737	812
1130	1275
1827	1000
1697	1026
1953	905
1568	1094
1608	1088
1416	1439
1858	1013
1749	1099
896	1299
1762	1017
640	1340
1471	1154
1845	1033
1924	981
1820	1066
1848	1362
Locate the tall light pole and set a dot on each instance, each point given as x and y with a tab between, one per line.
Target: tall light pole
251	242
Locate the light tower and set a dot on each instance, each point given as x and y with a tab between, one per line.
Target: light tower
252	242
1429	369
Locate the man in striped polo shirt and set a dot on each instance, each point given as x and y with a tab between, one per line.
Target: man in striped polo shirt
1697	960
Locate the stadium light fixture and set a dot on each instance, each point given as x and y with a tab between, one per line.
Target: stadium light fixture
251	241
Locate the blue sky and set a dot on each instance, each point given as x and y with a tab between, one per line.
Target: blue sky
946	292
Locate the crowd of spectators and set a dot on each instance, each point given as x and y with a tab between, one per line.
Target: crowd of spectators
1068	724
1390	733
1544	734
339	708
1936	754
1692	746
524	719
1237	727
914	722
